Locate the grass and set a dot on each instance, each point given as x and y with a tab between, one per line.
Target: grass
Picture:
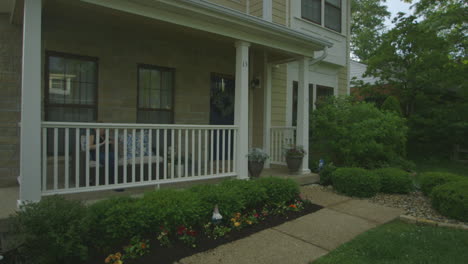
424	165
400	242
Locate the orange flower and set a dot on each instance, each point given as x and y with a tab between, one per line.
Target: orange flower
238	215
236	224
249	222
293	206
143	245
118	255
108	259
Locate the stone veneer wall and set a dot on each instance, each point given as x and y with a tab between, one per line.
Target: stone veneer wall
10	95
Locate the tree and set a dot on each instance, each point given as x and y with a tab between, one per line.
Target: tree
424	59
367	26
392	104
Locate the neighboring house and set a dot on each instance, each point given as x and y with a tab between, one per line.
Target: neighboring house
180	88
374	92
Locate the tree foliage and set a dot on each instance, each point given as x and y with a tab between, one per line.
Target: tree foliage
368	17
423	58
392	104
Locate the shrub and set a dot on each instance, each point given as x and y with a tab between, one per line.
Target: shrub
394	180
53	231
279	190
356	182
326	174
393	105
171	209
253	192
114	220
430	180
228	200
357	134
451	199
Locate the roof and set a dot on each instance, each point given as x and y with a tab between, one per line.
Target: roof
357	70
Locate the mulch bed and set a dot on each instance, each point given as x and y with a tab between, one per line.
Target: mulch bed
179	251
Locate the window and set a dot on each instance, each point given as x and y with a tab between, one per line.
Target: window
312	10
333	14
71	88
155	95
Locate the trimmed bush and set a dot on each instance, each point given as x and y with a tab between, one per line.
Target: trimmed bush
253	192
451	199
279	190
430	180
326	174
53	231
227	200
394	180
356	182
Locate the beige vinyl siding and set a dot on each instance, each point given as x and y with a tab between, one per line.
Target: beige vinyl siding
343	81
256	8
278	96
279	12
239	5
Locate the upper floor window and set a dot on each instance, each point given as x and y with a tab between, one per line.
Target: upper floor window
333	14
155	95
313	10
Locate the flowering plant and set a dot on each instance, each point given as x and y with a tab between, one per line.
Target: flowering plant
215	231
257	155
163	237
295	151
137	248
187	235
114	259
296	206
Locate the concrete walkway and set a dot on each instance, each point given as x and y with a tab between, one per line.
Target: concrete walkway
304	239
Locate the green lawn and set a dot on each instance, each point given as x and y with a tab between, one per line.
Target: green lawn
423	165
400	243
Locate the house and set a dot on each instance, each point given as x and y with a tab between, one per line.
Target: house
171	90
367	88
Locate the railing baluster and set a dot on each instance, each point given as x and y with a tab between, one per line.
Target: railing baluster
106	160
205	172
133	155
234	155
55	158
186	152
142	146
116	155
165	154
212	152
97	137
229	151
150	154
86	142
44	159
199	152
172	154
223	147
67	158
125	153
179	161
77	157
158	157
217	151
193	153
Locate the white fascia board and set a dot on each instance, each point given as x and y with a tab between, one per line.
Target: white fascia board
217	19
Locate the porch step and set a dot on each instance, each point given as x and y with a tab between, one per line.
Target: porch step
281	171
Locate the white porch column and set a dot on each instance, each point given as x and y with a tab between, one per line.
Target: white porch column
267	109
241	107
303	111
30	149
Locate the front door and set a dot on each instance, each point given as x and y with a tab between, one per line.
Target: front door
222	94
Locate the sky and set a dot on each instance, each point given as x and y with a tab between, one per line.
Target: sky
395	6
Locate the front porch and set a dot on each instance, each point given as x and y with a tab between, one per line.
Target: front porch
151	132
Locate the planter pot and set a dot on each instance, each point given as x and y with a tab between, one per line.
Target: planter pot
255	168
294	164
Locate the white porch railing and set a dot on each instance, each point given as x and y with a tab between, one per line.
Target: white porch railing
280	138
133	155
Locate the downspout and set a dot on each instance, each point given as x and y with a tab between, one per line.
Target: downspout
321	58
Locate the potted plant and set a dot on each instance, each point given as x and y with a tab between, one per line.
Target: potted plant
294	155
256	159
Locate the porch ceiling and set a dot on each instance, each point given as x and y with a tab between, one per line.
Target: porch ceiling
224	22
